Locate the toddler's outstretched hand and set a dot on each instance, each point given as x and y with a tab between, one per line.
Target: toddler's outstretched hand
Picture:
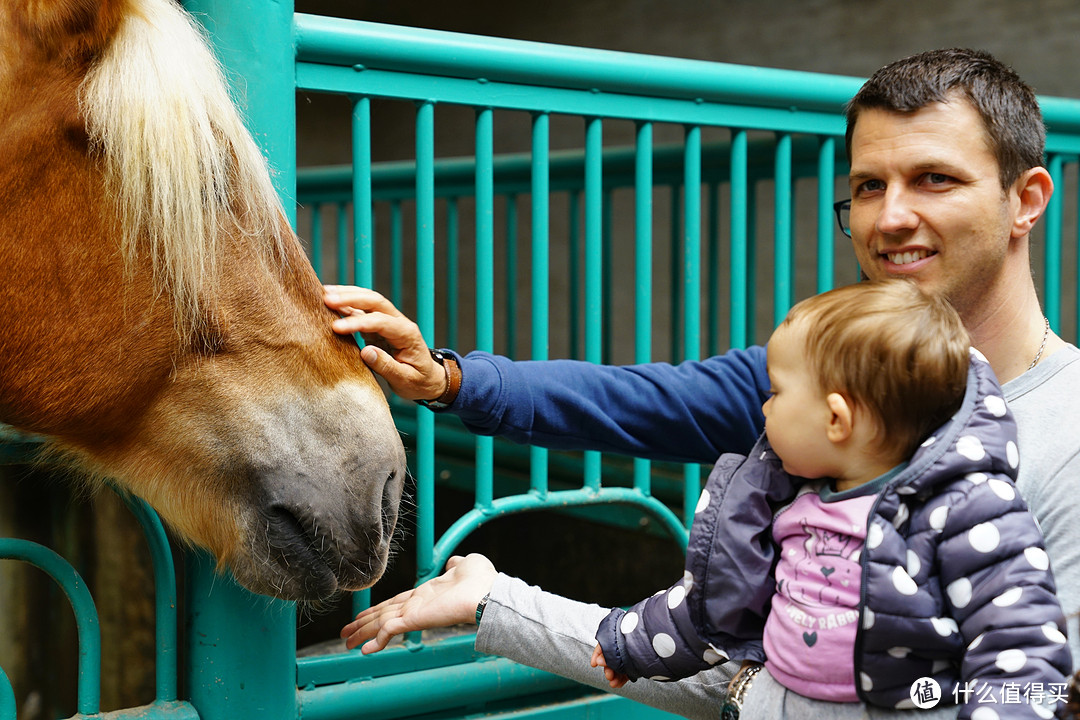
615	679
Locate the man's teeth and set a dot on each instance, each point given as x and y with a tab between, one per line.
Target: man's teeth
907	257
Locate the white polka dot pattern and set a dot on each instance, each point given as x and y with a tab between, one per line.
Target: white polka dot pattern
664	645
903	582
703	501
971	447
938	516
1011	661
713	656
995	405
1037	557
1009	597
1002	489
1053	634
959	592
984	537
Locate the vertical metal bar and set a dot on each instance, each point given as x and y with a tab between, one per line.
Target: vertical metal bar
826	224
1052	259
643	269
541	273
425	319
316	239
783	270
739	240
594	163
453	282
485	282
511	274
363	243
691	289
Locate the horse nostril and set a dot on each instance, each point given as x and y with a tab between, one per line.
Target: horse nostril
390	494
282	524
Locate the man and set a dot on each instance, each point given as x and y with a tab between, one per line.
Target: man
946	184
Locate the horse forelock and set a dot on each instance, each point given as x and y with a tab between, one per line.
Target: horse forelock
183	169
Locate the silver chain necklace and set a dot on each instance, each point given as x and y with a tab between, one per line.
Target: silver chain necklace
1042	345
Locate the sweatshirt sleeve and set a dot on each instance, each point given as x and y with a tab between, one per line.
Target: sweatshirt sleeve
690	412
1000	590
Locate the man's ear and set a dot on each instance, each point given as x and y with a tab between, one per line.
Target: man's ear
1032	194
842	419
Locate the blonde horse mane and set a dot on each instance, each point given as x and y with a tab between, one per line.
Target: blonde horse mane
179	161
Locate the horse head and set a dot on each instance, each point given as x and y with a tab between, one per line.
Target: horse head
159	321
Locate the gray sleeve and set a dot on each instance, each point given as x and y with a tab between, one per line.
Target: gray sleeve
552	633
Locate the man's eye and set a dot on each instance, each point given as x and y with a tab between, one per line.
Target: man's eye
937	178
871	186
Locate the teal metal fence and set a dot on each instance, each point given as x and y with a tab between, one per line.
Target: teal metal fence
688	206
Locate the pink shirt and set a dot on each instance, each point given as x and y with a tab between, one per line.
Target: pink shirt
810	632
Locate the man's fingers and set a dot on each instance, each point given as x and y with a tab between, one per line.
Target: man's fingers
345	297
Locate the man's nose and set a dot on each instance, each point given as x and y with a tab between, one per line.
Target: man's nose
896	213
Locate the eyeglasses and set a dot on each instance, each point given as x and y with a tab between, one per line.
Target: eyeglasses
843	216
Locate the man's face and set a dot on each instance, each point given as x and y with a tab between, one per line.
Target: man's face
927	201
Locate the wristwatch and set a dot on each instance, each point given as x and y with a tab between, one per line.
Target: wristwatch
453	381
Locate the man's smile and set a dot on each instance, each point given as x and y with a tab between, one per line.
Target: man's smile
907	257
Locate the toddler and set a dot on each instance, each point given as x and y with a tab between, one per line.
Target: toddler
873	538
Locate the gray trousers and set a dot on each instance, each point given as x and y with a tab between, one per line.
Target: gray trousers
552	633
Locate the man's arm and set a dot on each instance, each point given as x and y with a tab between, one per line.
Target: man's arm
691	412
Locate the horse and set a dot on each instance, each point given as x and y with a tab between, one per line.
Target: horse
160	324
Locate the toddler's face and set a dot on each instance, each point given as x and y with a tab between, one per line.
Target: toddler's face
796	415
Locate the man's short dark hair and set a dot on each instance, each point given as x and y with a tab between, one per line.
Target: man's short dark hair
1007	105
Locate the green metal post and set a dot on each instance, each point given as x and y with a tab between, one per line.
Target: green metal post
784	268
739	238
540	170
242	647
594	164
643	269
691	257
425	319
1052	260
363	224
826	224
485	282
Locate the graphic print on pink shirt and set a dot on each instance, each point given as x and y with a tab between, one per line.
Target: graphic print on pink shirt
810	632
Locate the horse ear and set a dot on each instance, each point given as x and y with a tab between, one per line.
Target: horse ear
71	28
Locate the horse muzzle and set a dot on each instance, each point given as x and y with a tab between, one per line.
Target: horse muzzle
312	539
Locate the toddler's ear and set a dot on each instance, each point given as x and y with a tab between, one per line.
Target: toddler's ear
842	419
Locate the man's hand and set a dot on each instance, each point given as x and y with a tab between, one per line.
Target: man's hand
449	599
395	348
